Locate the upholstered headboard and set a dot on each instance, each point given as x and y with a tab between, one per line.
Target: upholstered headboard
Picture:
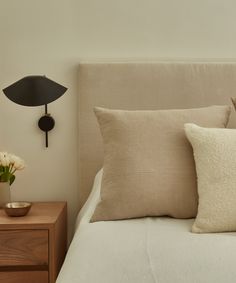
142	86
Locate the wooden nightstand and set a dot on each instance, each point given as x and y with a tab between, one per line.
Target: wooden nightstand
33	247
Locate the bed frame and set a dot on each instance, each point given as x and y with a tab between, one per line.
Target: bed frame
159	85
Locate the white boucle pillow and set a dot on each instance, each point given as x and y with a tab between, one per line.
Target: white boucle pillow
215	159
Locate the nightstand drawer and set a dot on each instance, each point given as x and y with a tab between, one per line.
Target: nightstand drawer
24	248
24	277
32	248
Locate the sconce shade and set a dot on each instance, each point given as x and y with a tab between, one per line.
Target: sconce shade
34	91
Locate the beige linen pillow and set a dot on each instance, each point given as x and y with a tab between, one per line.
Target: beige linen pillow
215	158
149	169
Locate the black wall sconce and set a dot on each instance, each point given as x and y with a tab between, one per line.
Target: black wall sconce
36	91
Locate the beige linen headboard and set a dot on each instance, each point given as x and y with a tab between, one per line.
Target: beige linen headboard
160	85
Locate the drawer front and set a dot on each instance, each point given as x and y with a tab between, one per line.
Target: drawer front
24	277
23	248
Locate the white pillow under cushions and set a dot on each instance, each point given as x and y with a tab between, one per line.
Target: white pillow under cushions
148	167
215	158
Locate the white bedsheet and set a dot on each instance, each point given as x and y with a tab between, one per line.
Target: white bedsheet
148	250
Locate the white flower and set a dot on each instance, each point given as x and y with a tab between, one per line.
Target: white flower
4	159
12	158
17	162
9	164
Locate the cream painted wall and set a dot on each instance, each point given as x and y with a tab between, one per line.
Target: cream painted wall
51	36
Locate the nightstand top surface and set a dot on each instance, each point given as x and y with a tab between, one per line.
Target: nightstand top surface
41	214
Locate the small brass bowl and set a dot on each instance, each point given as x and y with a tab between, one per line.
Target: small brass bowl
16	209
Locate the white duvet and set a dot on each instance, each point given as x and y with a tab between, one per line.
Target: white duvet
147	250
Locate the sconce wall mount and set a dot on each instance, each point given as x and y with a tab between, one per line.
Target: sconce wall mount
36	91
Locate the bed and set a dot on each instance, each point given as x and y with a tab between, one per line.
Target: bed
145	250
149	249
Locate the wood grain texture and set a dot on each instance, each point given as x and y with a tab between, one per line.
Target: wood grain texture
40	216
24	277
59	239
33	247
23	247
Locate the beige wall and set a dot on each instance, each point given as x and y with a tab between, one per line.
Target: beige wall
51	36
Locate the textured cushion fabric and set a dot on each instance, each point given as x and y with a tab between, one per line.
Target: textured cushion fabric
148	164
215	157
